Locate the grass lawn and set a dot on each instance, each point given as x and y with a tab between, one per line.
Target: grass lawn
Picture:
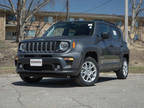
136	69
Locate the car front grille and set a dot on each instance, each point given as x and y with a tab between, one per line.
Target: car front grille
41	47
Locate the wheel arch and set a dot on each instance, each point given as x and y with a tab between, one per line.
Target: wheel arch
92	54
126	56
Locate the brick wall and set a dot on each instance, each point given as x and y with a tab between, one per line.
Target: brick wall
2	26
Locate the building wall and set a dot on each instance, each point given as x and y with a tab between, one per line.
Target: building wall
8	24
2	26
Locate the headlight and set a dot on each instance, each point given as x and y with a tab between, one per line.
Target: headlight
22	47
63	46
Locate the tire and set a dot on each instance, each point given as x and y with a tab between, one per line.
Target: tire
123	72
30	79
89	72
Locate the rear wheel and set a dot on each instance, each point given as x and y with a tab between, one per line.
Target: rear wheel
89	72
31	78
123	72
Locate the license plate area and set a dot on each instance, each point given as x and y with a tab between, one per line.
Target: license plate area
36	62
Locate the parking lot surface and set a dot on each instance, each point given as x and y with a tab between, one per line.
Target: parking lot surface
109	92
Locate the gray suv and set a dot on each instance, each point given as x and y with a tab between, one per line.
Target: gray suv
77	49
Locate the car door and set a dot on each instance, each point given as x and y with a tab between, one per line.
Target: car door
105	46
116	46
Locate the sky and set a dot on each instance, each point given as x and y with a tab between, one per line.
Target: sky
90	6
116	7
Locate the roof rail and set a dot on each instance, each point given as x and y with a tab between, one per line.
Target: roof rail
105	21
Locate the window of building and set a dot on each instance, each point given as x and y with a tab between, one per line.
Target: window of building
11	35
11	18
48	19
72	19
14	33
45	19
81	19
30	33
33	19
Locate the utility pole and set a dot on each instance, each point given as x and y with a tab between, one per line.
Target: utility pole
126	20
67	10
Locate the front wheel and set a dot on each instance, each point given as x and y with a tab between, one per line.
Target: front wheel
30	79
89	72
123	72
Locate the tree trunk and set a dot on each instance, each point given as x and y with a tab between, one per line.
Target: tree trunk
20	31
132	30
133	21
20	20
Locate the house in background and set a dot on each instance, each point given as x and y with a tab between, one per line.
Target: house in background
8	22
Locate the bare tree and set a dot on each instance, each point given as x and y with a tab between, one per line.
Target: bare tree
24	13
39	28
136	6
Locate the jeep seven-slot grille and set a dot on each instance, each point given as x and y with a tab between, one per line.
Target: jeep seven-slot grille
41	47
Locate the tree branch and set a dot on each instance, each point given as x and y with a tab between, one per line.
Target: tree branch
139	5
29	9
39	31
36	9
140	10
12	6
5	6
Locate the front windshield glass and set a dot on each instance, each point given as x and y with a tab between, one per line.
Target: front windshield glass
70	29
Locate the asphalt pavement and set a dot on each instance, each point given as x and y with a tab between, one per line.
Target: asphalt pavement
109	92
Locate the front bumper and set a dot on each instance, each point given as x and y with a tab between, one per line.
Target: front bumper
49	67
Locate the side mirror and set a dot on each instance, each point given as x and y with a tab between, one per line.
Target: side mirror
105	35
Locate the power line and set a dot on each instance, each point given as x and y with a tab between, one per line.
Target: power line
102	4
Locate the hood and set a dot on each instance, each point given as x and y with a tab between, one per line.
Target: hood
58	38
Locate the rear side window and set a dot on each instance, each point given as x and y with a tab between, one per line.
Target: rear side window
102	28
116	34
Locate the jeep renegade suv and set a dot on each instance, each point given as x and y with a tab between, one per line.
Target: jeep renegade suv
77	49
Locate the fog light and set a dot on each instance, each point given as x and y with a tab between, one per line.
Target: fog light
20	66
58	67
69	59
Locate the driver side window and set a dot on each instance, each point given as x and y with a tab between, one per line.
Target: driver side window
102	28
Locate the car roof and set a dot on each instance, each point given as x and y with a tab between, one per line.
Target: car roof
76	21
107	22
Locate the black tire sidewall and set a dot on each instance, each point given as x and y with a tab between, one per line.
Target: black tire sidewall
120	74
127	68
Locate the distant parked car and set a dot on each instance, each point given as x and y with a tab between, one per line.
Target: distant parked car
78	49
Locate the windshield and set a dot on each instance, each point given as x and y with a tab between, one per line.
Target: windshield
70	29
